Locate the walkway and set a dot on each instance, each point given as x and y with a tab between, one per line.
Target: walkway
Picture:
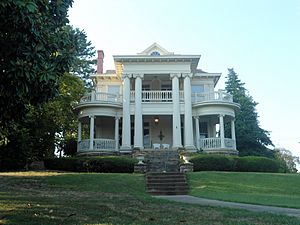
209	202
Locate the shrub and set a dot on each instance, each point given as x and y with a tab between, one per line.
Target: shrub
257	164
66	164
209	162
105	164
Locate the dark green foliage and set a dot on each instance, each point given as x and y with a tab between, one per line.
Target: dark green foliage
288	162
46	127
69	146
36	49
41	60
257	164
105	164
251	139
85	61
208	162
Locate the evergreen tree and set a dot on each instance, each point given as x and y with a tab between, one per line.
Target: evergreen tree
85	61
251	138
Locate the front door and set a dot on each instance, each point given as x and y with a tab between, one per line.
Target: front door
147	135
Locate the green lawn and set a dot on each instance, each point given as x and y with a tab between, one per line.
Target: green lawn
257	188
32	198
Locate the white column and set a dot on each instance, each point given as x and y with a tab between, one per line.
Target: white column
79	131
138	117
176	111
93	95
197	132
117	133
188	122
92	122
222	135
126	126
233	132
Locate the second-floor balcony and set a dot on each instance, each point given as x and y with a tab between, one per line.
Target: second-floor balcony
101	97
156	96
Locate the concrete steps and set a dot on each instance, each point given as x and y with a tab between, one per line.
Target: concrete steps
162	161
166	184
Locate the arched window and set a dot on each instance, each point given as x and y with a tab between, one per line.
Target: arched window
155	53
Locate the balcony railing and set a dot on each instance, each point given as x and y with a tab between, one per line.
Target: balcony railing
98	144
157	96
101	97
215	143
212	96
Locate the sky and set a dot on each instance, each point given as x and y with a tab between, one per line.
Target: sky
259	39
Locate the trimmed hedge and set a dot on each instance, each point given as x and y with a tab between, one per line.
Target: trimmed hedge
209	162
105	164
257	164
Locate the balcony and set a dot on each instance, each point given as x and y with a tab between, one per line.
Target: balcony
101	97
156	96
212	96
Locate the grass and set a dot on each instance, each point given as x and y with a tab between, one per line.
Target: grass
257	188
37	198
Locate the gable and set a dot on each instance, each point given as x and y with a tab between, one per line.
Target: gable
155	50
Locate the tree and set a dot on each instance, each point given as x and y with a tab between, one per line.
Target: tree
36	50
41	60
45	128
289	162
85	61
251	138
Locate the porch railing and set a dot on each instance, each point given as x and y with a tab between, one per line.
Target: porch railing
212	96
104	144
230	143
83	145
215	143
210	143
99	144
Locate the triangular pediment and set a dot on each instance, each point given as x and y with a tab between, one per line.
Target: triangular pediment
155	50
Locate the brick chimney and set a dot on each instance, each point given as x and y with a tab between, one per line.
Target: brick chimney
100	61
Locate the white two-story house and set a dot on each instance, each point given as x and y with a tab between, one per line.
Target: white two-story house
155	100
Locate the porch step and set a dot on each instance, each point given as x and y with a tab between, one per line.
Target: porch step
166	184
162	161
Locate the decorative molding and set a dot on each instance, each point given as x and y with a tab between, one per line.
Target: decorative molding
135	75
126	75
172	75
190	75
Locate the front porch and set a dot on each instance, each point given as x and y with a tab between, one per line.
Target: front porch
104	134
208	145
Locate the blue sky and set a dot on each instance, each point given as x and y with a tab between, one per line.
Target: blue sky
259	39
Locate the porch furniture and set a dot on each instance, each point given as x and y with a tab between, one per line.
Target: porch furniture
156	146
165	146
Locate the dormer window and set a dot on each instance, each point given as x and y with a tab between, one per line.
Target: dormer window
155	53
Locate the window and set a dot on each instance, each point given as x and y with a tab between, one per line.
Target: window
146	87
197	88
113	89
155	53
